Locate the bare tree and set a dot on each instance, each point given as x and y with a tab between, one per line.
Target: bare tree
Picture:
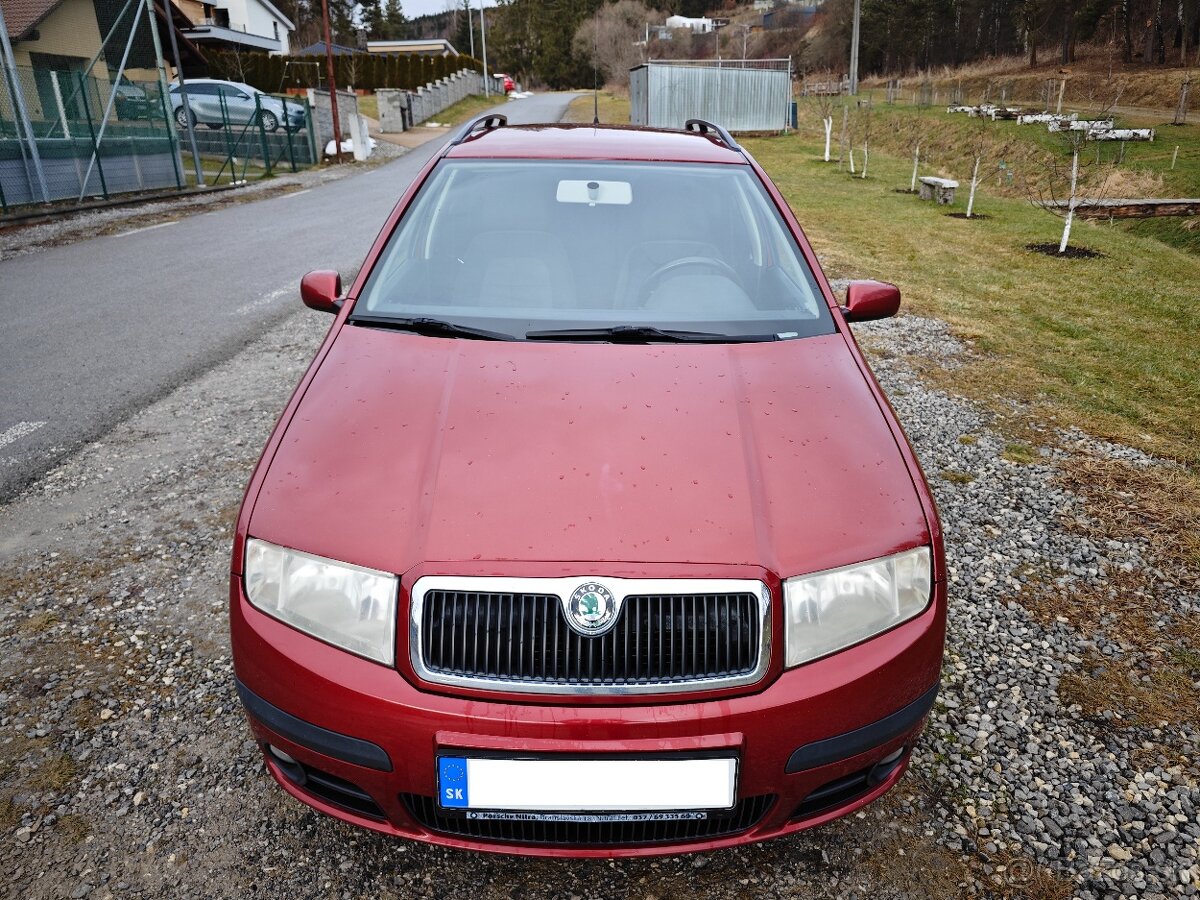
911	131
1059	187
842	140
866	118
824	102
612	39
986	151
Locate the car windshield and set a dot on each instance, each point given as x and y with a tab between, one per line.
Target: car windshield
535	247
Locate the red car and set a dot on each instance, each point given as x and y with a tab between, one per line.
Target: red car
588	531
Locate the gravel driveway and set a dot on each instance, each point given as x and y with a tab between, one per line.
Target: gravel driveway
126	767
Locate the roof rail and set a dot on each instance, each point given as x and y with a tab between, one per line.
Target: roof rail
489	121
699	126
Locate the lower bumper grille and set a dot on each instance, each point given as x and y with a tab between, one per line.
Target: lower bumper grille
850	787
329	788
744	816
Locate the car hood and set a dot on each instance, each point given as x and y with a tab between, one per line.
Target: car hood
408	449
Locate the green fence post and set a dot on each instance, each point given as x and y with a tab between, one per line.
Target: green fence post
314	157
87	109
262	130
162	101
289	135
227	129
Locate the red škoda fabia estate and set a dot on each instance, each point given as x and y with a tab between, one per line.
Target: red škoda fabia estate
588	532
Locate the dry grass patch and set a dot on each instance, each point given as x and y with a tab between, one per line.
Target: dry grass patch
957	477
55	774
1165	694
1127	502
1021	453
38	623
1020	878
912	865
73	828
10	814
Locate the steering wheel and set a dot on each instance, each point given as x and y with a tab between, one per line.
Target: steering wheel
655	278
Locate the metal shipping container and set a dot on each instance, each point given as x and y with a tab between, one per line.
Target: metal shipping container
741	95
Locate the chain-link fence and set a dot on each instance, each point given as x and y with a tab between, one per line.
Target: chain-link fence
240	132
65	135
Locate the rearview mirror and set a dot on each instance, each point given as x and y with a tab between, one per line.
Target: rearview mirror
321	290
867	300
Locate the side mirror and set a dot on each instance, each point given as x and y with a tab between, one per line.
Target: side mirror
867	300
321	290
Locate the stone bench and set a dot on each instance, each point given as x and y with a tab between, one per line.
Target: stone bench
939	189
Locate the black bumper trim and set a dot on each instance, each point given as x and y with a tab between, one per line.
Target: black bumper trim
330	743
852	743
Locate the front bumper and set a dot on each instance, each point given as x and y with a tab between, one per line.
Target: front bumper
357	741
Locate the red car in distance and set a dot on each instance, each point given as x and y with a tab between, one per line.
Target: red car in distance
588	531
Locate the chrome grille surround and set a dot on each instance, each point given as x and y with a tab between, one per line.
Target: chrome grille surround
562	588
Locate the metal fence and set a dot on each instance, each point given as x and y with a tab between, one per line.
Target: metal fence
742	95
234	133
65	135
82	136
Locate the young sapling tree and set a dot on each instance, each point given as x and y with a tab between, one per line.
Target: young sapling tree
824	102
1064	177
986	150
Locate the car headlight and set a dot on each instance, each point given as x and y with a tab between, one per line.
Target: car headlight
347	606
832	610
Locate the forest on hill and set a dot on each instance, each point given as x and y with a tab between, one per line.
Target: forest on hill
555	43
538	39
904	35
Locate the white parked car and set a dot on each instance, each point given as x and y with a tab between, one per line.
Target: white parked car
213	103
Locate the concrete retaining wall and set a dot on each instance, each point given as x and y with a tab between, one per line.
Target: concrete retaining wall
323	117
401	110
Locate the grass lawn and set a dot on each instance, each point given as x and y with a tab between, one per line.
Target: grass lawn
614	109
1109	344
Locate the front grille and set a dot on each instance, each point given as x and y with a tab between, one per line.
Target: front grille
744	816
525	639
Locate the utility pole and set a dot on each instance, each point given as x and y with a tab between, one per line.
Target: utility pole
10	75
483	39
471	28
183	95
854	48
337	124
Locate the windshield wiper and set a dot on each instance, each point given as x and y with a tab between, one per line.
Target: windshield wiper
430	327
640	334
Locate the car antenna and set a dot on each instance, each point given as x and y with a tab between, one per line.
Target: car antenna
595	76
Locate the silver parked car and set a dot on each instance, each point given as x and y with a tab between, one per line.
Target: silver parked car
213	103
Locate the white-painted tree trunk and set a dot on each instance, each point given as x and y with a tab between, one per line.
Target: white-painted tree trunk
851	160
866	156
974	184
842	136
828	135
1066	236
912	187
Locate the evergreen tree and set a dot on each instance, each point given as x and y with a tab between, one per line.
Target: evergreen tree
374	19
466	34
395	24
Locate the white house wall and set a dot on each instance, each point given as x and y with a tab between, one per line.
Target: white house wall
254	18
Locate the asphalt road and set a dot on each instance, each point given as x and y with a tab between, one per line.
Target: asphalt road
95	330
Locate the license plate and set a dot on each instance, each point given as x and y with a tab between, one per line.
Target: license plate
582	785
